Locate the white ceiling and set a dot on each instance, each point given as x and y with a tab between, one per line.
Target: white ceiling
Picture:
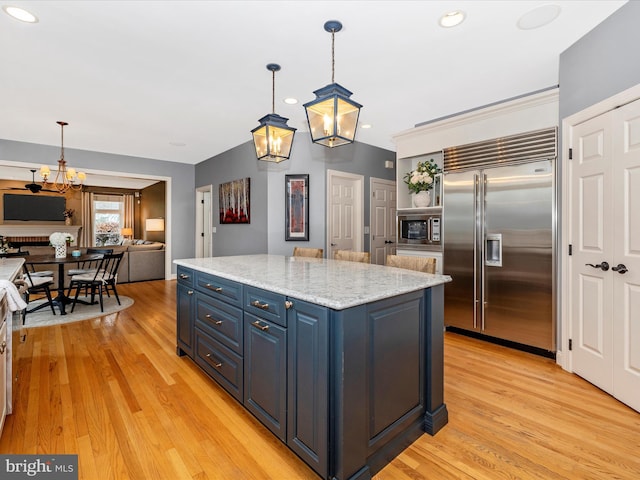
133	77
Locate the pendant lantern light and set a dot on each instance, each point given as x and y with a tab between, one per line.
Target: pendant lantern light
332	116
273	138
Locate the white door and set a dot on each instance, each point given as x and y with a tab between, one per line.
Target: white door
591	227
626	252
605	235
204	221
344	212
383	220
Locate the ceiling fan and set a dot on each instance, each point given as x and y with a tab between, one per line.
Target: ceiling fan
33	187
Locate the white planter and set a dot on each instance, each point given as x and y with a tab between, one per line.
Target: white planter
422	199
61	250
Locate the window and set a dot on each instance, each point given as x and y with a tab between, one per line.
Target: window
108	219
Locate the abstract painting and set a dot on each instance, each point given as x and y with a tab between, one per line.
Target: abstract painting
235	201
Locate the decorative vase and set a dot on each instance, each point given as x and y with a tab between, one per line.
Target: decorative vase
422	199
61	250
68	221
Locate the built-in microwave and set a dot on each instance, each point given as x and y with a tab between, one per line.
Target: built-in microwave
419	229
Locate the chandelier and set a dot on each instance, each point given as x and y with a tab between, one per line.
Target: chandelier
273	138
66	178
332	116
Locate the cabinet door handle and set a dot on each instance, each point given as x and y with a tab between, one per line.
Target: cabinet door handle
288	304
264	328
183	276
189	292
211	287
216	322
217	365
263	306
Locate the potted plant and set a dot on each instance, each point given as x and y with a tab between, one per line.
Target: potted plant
420	182
60	240
68	216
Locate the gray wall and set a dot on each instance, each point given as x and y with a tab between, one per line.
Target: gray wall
602	63
182	181
239	162
599	65
265	234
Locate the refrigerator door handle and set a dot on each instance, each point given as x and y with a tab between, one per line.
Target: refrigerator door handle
476	300
483	296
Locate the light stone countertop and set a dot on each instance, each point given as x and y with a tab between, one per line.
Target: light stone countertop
335	284
9	268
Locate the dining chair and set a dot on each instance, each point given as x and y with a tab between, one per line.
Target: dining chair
100	280
420	264
308	252
362	257
88	266
37	284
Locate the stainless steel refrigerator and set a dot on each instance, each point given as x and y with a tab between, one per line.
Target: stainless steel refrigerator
498	248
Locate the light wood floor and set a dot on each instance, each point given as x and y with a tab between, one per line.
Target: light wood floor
113	391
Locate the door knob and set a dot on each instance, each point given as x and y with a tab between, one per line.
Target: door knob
620	268
603	265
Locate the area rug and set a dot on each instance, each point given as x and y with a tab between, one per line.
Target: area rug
44	318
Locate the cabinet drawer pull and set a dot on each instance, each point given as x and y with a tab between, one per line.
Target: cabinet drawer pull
216	322
264	328
263	306
189	292
288	304
183	276
211	287
217	365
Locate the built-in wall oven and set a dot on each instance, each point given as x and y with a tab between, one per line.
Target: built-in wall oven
419	230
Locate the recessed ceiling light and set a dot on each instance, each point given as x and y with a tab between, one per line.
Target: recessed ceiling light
451	19
20	14
538	17
290	101
365	125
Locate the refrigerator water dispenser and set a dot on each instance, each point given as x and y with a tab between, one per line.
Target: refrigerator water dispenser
493	250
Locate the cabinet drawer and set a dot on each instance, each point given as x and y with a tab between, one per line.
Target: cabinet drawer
185	276
223	365
267	305
220	320
217	287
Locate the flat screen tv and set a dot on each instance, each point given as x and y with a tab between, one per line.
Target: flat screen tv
33	208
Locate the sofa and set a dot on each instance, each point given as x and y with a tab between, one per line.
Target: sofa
140	262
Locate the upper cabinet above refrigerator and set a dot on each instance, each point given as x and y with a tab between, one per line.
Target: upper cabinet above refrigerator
405	196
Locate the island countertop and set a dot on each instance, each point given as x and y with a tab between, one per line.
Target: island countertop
335	284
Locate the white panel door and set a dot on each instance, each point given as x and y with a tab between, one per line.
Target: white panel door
605	227
626	288
344	219
591	233
383	220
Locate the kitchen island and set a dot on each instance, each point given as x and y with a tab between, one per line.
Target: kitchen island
343	361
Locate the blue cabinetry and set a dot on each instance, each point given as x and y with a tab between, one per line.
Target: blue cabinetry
345	389
185	317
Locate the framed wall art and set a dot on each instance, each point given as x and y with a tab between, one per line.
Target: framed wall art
296	207
235	202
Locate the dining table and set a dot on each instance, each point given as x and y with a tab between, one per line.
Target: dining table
61	299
